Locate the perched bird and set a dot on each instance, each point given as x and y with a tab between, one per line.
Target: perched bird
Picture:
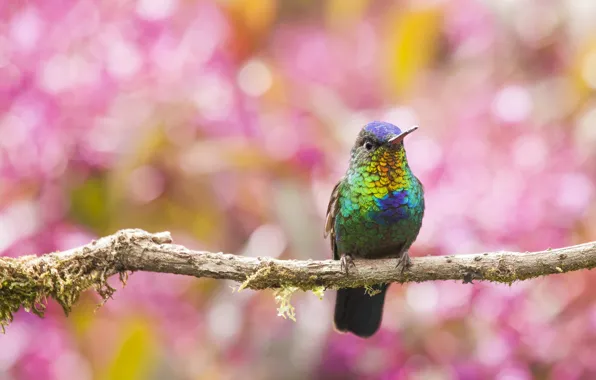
375	212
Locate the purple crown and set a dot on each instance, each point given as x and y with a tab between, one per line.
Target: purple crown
382	130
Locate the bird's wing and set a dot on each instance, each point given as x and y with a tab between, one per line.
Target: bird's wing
332	210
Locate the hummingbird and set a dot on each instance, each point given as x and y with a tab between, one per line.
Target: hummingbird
375	211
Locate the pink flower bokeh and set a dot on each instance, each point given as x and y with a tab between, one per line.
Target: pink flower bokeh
228	123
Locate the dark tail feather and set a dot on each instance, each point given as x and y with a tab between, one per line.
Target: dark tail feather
359	313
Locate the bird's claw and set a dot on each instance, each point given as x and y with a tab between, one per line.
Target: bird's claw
404	262
346	261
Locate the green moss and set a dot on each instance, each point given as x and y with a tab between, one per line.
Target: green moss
268	275
252	280
368	289
293	282
29	281
319	291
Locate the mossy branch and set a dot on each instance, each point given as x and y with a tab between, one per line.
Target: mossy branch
29	281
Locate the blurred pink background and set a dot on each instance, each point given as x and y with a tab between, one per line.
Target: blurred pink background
228	123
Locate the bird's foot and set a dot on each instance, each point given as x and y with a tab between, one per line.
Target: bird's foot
404	262
346	261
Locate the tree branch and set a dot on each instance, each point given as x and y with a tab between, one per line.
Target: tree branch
28	281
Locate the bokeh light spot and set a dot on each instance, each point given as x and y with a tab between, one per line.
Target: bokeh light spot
530	152
266	240
575	192
224	321
213	97
124	60
25	29
153	10
145	184
589	69
512	104
254	78
423	298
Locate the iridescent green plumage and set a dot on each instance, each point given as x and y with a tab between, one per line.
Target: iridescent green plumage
375	211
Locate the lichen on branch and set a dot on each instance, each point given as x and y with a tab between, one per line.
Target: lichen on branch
29	281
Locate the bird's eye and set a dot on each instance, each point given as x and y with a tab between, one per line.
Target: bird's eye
368	145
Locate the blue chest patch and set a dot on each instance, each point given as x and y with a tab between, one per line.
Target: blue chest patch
392	208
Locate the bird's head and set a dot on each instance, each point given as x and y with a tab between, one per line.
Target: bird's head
380	141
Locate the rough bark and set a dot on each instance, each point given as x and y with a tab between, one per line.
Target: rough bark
29	280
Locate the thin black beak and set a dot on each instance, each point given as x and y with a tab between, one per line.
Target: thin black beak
399	138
